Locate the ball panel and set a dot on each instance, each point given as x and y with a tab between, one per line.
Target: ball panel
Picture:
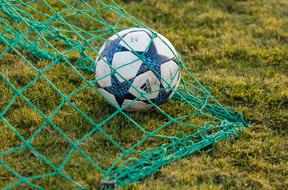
167	42
170	72
147	84
102	69
121	33
126	64
164	46
138	41
110	96
136	106
126	31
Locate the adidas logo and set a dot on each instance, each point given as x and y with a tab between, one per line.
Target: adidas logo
146	86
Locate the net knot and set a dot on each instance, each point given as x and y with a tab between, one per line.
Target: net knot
23	180
90	84
65	98
58	170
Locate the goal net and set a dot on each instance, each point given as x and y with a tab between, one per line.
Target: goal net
57	130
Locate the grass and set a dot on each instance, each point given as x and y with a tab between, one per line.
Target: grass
238	48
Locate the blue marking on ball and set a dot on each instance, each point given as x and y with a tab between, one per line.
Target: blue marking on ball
151	61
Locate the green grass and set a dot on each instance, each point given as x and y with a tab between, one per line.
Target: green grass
238	48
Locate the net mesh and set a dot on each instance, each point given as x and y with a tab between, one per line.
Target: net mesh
57	129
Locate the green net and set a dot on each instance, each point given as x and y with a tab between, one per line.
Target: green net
57	129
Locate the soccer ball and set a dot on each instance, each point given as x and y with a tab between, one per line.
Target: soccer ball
137	68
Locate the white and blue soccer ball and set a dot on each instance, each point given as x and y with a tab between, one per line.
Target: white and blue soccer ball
136	67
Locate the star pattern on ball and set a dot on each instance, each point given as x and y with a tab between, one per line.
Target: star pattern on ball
152	61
